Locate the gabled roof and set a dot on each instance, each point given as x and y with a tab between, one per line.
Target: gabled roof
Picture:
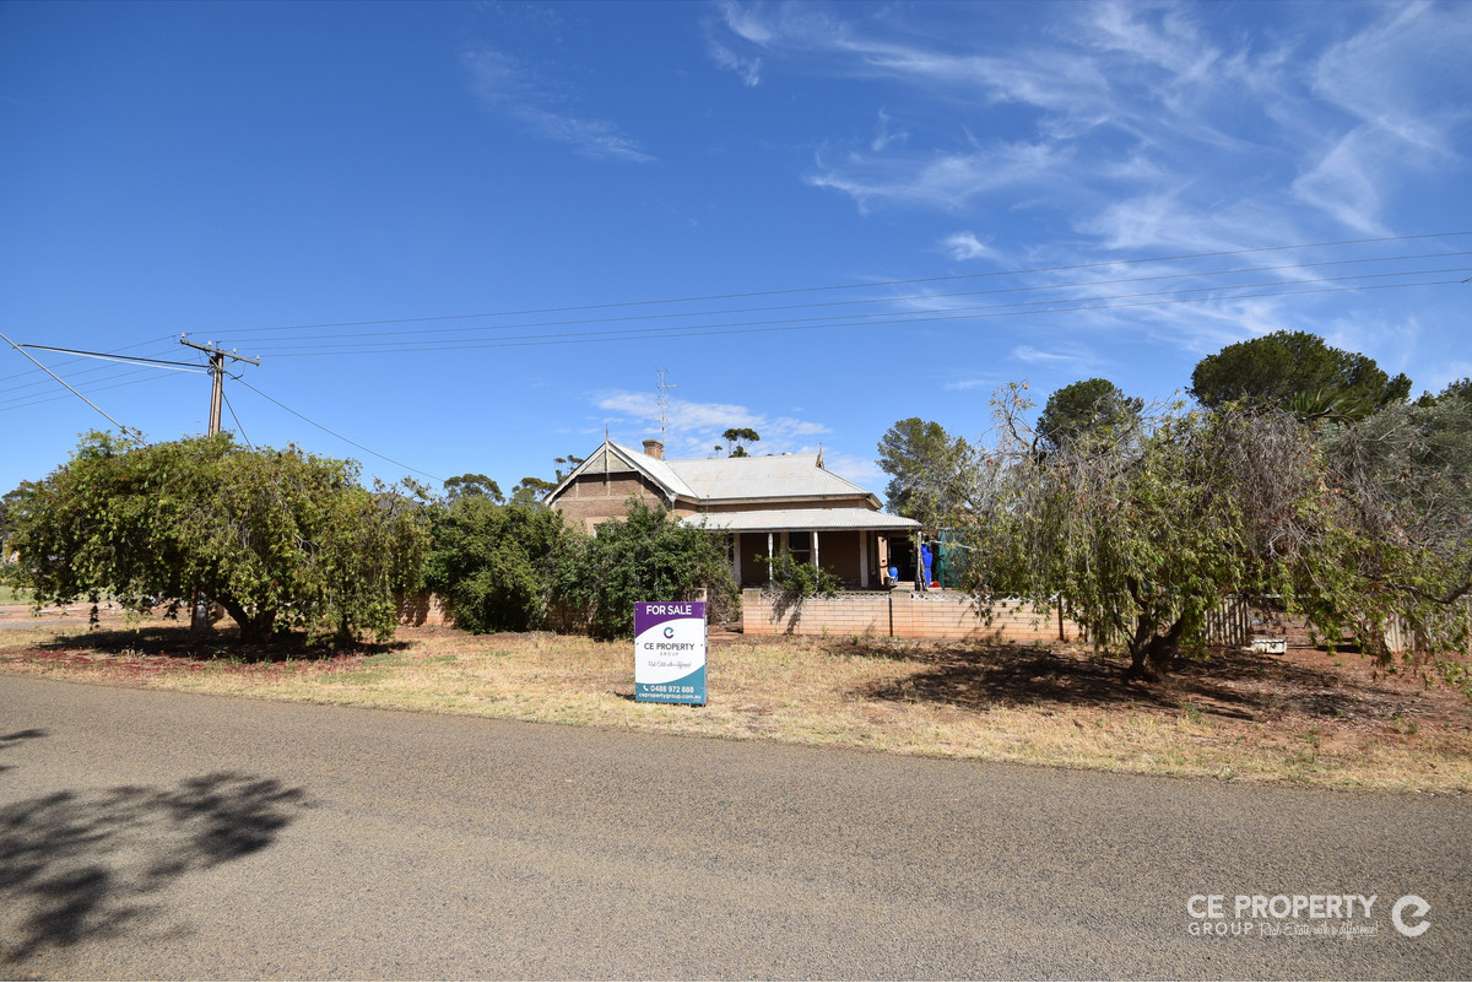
786	476
658	470
724	478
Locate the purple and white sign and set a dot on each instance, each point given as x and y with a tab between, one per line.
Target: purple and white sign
669	652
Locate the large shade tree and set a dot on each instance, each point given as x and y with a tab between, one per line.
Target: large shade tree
1297	372
1088	407
1140	535
923	462
282	539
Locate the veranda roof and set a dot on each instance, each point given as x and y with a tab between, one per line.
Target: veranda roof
802	519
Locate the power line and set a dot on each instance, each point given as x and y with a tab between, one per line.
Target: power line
71	375
127	347
1092	284
859	286
97	385
764	327
332	432
987	307
240	429
166	364
63	382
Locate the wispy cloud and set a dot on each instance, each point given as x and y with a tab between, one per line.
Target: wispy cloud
505	86
863	471
886	134
947	180
969	384
1134	93
694	428
962	246
748	69
1030	355
1343	185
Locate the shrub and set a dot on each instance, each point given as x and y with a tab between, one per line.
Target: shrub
495	566
795	582
649	556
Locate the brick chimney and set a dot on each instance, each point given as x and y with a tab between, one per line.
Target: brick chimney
655	449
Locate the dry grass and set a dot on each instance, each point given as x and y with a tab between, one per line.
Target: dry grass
1308	718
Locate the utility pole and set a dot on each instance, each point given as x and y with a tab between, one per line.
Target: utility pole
217	356
199	614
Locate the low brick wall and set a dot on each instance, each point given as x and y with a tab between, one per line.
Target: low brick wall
901	614
424	609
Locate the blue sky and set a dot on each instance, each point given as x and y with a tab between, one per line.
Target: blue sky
239	171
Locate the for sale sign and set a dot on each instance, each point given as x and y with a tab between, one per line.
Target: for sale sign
669	652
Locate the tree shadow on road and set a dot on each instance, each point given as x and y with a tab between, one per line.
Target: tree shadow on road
1229	684
8	740
79	866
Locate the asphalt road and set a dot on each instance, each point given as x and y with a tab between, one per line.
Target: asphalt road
161	834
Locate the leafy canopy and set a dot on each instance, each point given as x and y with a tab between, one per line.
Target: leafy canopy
737	436
473	484
650	555
922	461
1140	536
1089	406
495	566
1297	372
282	539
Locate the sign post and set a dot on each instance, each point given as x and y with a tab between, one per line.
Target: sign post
669	652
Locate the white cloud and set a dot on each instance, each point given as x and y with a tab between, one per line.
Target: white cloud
747	68
505	86
943	180
885	135
1405	73
1343	183
694	428
745	23
1149	129
1037	356
863	471
962	246
968	384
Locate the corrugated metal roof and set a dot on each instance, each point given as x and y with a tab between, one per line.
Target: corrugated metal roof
783	519
785	476
658	469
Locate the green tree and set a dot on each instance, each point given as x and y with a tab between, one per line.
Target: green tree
923	462
649	556
563	466
1090	406
473	484
1297	372
531	490
7	507
736	437
281	539
495	566
1349	525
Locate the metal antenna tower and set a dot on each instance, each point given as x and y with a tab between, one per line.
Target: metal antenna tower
663	386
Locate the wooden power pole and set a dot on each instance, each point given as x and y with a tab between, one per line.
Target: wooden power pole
199	617
217	357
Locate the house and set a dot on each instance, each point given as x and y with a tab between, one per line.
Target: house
763	505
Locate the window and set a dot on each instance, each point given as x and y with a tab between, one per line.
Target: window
800	544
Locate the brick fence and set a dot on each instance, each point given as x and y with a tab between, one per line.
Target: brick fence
901	614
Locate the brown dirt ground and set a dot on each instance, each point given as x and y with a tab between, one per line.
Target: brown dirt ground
1310	716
